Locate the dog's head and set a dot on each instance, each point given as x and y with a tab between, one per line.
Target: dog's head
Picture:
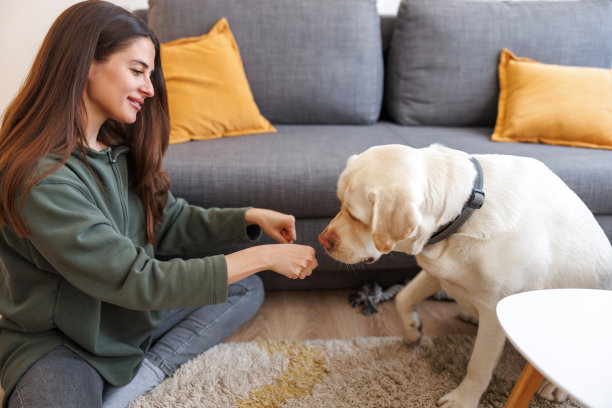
381	191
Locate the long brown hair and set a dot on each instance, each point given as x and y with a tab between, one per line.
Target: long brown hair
47	115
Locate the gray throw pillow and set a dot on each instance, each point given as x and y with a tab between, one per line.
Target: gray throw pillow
442	64
307	61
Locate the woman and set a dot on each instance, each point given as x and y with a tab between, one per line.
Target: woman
90	317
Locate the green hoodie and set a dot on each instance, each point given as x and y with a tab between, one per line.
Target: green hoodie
85	277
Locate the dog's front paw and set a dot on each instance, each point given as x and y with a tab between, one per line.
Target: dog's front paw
411	335
457	399
412	328
551	392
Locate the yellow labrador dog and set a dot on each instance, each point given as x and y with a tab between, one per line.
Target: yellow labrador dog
532	232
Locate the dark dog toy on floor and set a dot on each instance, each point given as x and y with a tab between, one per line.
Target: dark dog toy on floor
371	293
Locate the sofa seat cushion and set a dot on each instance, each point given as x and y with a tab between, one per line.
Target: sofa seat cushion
296	169
307	61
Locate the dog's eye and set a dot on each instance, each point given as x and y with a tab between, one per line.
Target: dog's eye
352	217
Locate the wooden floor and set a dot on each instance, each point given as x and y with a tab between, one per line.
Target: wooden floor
326	314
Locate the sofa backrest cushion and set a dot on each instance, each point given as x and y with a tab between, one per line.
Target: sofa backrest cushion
441	69
307	61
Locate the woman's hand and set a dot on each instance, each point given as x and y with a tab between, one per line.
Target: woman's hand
288	259
291	260
278	226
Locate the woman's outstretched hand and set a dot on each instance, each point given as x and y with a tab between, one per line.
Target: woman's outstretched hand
291	260
288	259
278	226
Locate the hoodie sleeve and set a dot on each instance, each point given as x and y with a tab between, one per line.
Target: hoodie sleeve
75	240
188	229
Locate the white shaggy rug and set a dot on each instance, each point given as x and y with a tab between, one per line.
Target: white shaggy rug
362	372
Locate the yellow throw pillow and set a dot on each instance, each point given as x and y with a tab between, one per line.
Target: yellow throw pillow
208	92
553	104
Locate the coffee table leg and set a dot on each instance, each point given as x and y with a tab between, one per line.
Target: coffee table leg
525	387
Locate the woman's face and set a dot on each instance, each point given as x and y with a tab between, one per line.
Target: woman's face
117	87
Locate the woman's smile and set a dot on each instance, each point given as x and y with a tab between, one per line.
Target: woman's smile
136	102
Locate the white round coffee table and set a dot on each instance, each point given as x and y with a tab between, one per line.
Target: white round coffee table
566	335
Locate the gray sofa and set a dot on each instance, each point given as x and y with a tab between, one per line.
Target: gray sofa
335	79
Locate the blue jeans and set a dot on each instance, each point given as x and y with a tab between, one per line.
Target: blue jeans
62	379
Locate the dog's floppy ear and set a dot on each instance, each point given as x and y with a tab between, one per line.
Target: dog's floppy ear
394	218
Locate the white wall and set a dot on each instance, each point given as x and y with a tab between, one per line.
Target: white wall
388	7
23	25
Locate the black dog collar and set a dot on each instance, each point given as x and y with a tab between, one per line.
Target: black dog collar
475	201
